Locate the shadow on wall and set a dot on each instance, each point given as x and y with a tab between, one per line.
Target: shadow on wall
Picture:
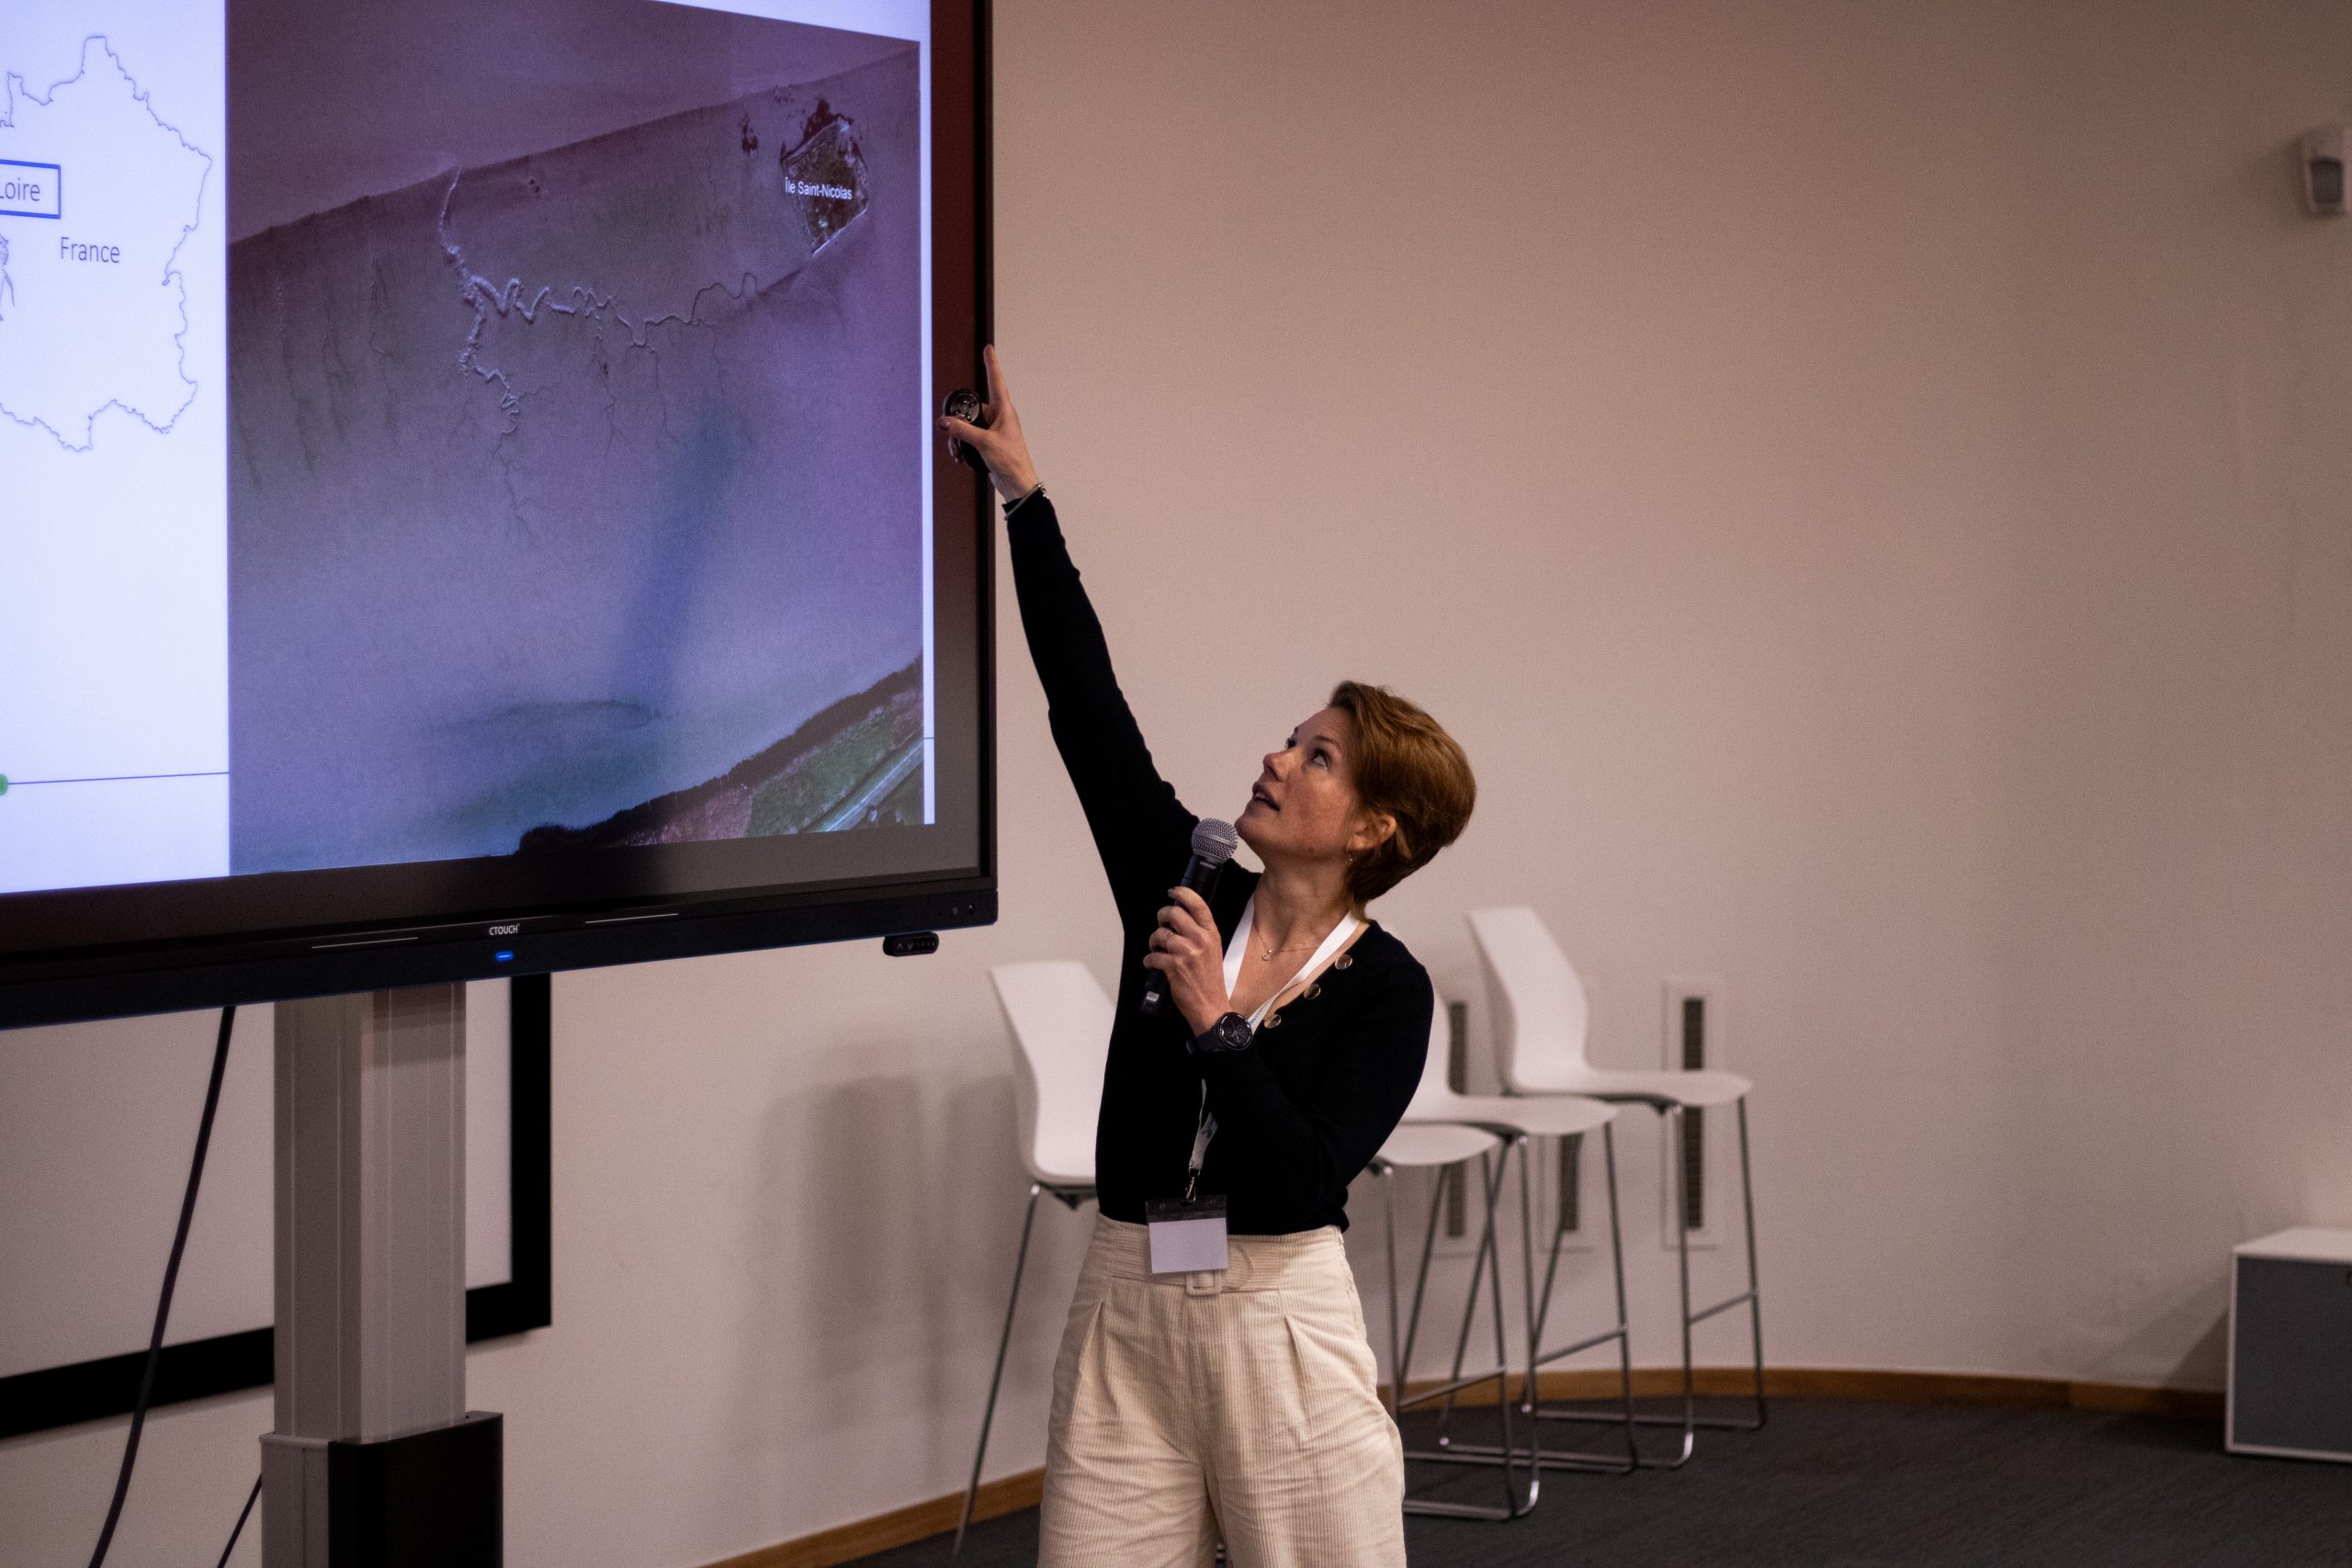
830	1239
2205	1364
2186	1345
897	1234
978	1234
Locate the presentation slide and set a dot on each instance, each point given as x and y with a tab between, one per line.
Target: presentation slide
442	429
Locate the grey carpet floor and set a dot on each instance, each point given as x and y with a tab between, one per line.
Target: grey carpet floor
1845	1484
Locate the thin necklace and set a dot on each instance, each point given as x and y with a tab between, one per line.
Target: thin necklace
1267	953
1297	947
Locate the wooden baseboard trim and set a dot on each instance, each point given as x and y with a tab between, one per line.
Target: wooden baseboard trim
918	1521
1914	1388
899	1527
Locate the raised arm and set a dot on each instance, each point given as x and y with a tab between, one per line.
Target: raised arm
1140	828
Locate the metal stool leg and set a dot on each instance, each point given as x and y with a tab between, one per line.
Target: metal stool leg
1469	1314
1754	1288
1682	1270
1532	1319
1690	1421
1753	1295
1624	1333
1455	1380
1420	1286
996	1379
1387	1173
1512	1507
1462	1341
1488	1270
1540	1308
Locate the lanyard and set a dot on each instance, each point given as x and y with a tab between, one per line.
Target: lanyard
1235	951
1238	948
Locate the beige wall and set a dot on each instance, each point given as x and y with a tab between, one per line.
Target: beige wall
1872	487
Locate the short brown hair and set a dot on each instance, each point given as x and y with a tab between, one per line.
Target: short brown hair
1407	767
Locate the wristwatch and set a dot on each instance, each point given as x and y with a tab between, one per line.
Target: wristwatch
1231	1033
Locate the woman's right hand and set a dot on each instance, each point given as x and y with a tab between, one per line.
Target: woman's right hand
1001	444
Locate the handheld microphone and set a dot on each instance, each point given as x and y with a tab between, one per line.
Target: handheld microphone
1213	845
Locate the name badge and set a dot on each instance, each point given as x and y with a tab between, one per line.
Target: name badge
1187	1237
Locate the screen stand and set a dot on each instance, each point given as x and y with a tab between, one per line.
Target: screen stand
375	1459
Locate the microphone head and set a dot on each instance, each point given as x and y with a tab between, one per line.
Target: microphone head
1215	841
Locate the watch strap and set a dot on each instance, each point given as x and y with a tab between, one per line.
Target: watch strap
1231	1033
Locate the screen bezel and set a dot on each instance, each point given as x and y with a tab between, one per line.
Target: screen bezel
108	951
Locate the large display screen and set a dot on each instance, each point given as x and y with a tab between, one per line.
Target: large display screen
468	481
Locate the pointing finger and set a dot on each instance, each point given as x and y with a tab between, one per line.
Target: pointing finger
998	390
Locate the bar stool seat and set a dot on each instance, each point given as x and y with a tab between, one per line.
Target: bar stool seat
1561	1116
1424	1144
1698	1089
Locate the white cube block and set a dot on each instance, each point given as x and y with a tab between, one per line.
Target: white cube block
2291	1346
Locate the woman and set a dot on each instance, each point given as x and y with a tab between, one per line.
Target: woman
1234	1404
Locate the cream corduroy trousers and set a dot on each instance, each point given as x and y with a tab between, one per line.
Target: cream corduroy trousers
1238	1405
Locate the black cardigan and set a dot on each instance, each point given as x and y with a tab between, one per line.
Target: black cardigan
1303	1110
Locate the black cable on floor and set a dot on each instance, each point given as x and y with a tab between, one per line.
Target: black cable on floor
171	1278
243	1514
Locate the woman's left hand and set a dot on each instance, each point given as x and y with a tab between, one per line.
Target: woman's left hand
1187	949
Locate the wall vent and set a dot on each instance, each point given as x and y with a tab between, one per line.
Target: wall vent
1571	1207
1457	1079
1694	1139
1693	1043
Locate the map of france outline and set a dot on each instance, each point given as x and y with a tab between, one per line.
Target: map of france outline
92	305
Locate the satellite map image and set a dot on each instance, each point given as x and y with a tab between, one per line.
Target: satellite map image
577	431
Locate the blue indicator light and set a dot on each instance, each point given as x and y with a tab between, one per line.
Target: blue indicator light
506	957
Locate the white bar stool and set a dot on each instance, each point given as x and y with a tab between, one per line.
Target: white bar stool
1061	1023
1517	1121
1540	1017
